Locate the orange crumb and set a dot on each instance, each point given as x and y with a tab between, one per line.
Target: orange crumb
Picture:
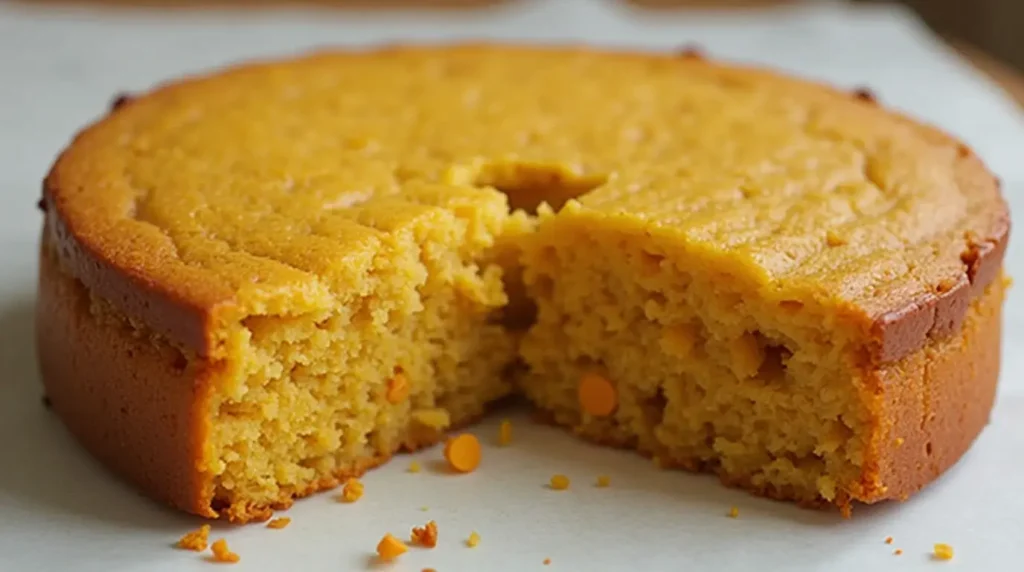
734	512
425	536
888	540
390	547
428	570
398	388
597	395
559	482
473	540
196	540
898	551
604	481
463	453
279	522
414	467
352	491
943	551
899	441
505	433
221	552
547	561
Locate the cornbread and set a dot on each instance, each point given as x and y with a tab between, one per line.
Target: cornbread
257	284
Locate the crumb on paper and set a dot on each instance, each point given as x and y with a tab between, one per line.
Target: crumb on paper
279	523
888	540
604	481
414	467
425	536
547	561
390	548
221	552
734	512
898	551
943	551
196	540
559	482
473	540
505	433
352	491
424	508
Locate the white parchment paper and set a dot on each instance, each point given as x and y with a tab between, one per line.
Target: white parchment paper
60	511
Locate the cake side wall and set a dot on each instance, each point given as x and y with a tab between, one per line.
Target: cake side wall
936	402
95	372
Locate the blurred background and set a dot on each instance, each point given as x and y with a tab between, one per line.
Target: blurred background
986	32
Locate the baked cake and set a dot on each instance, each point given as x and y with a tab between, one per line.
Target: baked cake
256	284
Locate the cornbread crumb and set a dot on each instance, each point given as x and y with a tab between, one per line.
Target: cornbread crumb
196	540
505	433
943	551
425	536
424	508
559	482
888	540
414	467
428	570
597	395
898	551
473	540
398	388
463	453
390	547
547	561
734	512
604	481
352	491
221	552
279	522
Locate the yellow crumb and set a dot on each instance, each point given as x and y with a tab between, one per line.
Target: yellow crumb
597	395
888	540
463	453
352	491
604	481
414	467
943	551
559	482
221	552
734	512
505	433
424	508
473	540
390	547
196	540
425	536
279	522
398	388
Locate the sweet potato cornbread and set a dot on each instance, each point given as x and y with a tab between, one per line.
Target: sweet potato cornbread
257	284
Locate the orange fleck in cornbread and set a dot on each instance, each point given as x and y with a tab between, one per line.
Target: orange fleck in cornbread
279	523
463	453
426	535
221	552
258	283
352	491
196	540
390	548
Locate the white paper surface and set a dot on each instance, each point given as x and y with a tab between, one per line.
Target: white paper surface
60	511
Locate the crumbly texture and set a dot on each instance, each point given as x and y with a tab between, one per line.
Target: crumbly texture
196	540
352	490
425	536
221	552
293	270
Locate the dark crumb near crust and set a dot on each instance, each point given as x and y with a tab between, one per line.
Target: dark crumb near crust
119	100
864	94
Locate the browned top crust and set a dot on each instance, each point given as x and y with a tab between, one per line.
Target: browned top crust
804	189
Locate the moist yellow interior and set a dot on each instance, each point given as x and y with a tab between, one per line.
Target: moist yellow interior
712	370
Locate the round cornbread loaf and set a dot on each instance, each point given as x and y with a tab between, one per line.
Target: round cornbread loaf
258	283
